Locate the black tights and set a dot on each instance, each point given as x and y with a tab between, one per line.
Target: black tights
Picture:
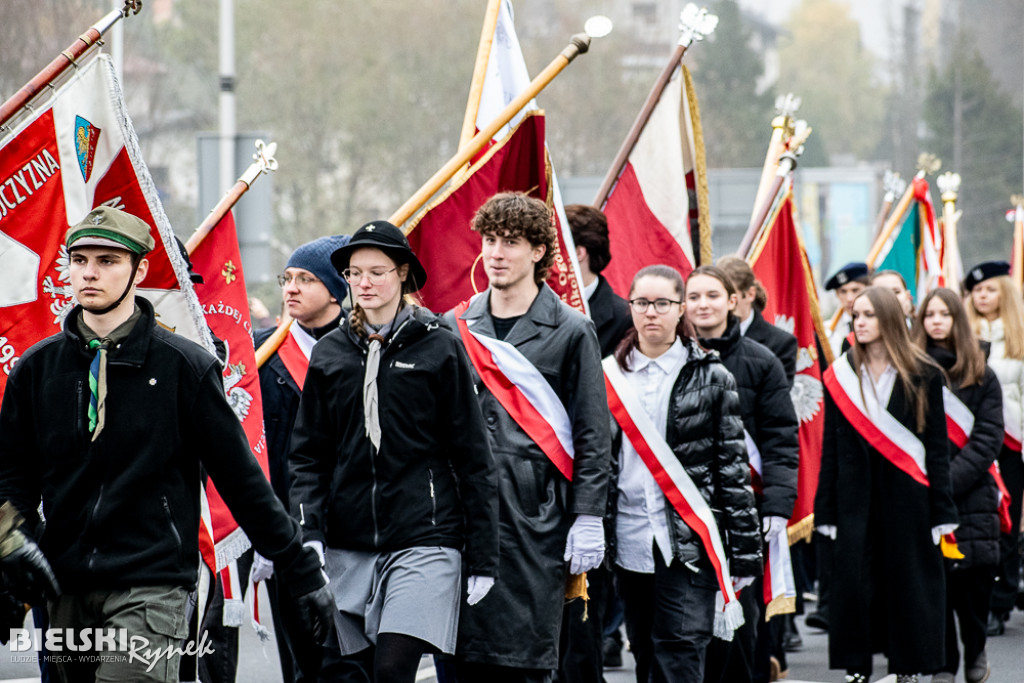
398	657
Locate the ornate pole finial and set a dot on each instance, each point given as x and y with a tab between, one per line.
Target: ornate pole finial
949	186
928	164
264	156
695	23
893	185
801	131
131	7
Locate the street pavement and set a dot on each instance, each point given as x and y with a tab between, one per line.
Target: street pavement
258	662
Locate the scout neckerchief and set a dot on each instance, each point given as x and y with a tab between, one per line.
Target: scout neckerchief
378	335
522	391
675	484
959	423
96	412
887	435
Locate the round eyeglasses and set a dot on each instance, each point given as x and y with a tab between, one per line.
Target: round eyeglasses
661	306
376	277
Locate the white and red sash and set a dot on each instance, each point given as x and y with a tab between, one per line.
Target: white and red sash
672	479
779	582
522	391
887	435
295	351
959	423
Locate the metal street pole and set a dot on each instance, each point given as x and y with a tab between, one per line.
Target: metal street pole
227	95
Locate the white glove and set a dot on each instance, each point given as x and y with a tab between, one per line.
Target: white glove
477	587
317	547
827	530
773	526
941	530
741	582
262	569
584	548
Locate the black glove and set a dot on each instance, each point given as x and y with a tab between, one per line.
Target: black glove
316	608
29	575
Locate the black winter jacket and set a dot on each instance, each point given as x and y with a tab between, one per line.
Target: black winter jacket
768	415
611	316
777	340
705	431
433	481
280	395
974	489
123	510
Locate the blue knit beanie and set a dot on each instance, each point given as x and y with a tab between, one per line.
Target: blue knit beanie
315	257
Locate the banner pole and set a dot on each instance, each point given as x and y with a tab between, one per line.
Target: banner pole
67	58
579	45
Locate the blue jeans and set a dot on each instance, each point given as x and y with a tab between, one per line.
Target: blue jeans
669	618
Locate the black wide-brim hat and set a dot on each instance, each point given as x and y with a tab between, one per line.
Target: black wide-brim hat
389	239
985	271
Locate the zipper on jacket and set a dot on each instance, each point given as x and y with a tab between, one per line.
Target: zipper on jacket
373	495
433	500
79	406
88	525
174	529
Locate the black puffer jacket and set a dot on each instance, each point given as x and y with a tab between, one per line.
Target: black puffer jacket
768	415
974	490
433	481
778	341
705	432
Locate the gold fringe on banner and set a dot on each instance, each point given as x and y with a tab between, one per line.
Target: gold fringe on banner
802	530
779	606
703	202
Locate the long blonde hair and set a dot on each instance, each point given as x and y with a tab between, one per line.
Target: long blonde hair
1011	312
908	359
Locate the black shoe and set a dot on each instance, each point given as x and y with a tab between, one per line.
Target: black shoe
995	626
612	653
817	620
792	642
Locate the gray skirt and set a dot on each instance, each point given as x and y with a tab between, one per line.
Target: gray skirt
415	592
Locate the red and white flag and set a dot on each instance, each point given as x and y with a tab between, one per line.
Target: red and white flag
652	208
516	160
226	306
779	261
75	152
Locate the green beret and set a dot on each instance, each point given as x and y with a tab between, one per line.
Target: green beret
105	226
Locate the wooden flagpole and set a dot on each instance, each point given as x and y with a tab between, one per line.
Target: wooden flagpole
67	58
949	186
893	186
786	164
263	162
782	128
476	87
579	44
892	223
694	24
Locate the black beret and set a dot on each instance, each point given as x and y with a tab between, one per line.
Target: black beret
848	273
985	271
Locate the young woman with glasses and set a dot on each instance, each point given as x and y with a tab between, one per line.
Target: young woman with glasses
392	475
668	563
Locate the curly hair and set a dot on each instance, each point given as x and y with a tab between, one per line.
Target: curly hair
514	214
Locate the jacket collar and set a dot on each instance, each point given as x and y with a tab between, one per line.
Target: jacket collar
728	340
543	312
600	314
132	350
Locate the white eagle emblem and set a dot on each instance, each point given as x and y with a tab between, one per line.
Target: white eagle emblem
60	291
807	394
238	398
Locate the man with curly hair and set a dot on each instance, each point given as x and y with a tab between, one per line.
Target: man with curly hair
540	386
